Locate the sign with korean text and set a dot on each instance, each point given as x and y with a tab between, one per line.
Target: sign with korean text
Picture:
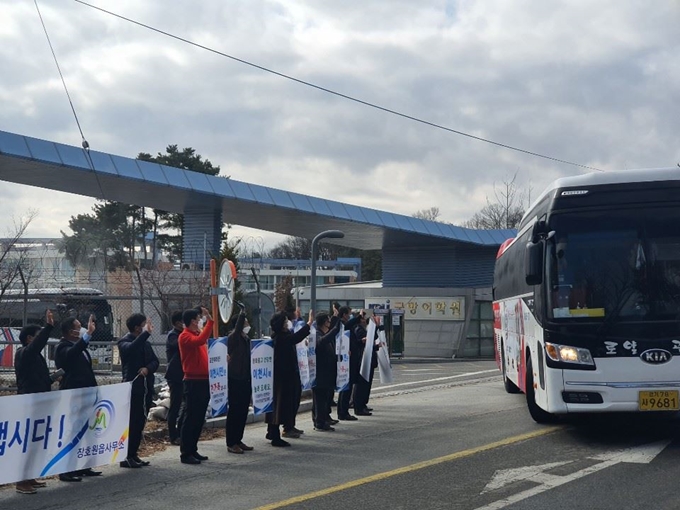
423	308
384	364
302	357
367	358
342	351
44	434
218	376
262	372
311	356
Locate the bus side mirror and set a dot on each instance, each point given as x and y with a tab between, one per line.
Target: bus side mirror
533	263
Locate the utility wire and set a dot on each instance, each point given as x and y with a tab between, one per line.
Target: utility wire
85	144
339	94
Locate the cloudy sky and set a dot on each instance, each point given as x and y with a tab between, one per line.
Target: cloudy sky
595	83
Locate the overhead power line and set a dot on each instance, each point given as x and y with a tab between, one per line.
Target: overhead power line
338	94
84	143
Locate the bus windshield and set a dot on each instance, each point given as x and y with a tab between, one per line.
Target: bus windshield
620	265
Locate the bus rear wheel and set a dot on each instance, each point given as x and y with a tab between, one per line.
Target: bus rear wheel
510	386
539	415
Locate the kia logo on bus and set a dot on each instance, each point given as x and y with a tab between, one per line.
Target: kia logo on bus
656	356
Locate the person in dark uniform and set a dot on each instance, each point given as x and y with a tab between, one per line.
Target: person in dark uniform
362	390
33	376
139	366
285	374
239	387
174	375
327	328
289	429
72	356
355	353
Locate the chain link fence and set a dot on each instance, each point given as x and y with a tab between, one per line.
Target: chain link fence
111	297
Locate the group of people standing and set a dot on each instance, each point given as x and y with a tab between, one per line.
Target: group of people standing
328	326
187	376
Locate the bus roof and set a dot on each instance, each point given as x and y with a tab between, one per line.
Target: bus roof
604	178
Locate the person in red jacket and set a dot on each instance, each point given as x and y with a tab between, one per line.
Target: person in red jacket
193	349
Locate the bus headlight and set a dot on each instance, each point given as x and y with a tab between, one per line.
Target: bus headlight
568	354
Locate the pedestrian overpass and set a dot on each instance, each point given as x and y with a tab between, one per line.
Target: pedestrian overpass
415	252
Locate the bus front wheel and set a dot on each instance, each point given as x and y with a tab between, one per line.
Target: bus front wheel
510	386
539	415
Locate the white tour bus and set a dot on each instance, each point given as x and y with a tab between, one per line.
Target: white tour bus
587	296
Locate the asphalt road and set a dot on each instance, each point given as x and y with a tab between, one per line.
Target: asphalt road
442	436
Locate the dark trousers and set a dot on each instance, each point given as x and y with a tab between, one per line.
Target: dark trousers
273	431
321	405
296	406
176	411
239	400
196	398
138	409
343	401
362	392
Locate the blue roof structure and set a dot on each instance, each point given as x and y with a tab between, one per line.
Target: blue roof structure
35	162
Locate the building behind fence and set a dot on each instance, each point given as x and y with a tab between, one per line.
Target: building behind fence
111	297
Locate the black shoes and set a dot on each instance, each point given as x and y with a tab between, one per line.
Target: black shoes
189	459
200	457
142	462
332	421
131	463
363	412
89	472
176	441
280	442
324	428
69	477
348	417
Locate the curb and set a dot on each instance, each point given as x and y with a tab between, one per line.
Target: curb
221	421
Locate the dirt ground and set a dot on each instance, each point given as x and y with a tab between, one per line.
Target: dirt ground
156	437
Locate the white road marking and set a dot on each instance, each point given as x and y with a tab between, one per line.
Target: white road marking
495	370
642	454
507	476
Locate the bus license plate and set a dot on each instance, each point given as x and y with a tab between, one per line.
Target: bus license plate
658	400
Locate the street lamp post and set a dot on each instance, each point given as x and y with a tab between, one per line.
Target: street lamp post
327	234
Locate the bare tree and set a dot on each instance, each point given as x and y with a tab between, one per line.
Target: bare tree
12	254
427	214
283	298
505	211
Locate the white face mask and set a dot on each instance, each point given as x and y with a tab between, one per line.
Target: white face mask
246	330
201	323
289	325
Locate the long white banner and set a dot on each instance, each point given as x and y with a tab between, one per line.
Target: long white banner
45	434
342	352
367	358
303	358
311	356
218	376
262	368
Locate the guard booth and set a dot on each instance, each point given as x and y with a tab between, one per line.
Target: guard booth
393	320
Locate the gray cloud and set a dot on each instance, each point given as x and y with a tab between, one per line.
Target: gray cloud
594	83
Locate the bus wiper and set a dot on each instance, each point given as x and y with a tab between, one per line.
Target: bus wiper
615	313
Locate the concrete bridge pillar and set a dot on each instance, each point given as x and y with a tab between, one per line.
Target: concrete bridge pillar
201	238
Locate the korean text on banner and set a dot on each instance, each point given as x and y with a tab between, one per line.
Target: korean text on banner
218	372
342	351
367	358
311	356
262	371
384	364
44	434
301	349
